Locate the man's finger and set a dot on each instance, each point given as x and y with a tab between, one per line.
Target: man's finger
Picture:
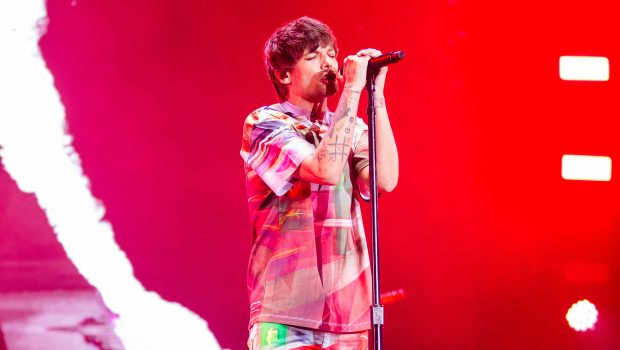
375	53
369	52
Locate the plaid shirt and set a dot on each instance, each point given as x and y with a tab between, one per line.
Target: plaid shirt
309	263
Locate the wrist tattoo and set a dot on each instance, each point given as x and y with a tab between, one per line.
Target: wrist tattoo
379	102
354	91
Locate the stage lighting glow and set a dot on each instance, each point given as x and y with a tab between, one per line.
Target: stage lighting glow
586	168
36	151
584	68
582	316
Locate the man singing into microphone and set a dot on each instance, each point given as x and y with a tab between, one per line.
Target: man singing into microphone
309	277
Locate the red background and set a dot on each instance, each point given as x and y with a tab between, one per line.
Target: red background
490	244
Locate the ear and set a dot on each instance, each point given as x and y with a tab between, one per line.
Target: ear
285	78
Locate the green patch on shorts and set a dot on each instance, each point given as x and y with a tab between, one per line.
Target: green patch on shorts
272	334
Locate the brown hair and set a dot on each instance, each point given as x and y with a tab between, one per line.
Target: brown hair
288	44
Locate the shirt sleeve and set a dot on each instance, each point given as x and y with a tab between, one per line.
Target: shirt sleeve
276	150
360	147
360	154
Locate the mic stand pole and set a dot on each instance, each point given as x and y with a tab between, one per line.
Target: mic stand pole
376	310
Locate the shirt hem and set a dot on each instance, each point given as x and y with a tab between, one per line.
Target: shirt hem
317	325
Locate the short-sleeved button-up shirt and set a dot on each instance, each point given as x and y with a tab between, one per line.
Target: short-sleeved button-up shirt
309	264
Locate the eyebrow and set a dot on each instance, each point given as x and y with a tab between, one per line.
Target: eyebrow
329	48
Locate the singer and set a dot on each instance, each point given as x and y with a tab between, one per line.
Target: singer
309	278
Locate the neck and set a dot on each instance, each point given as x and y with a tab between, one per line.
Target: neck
315	108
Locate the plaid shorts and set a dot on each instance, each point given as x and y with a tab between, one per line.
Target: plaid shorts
275	336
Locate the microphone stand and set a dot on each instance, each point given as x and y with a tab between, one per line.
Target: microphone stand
376	310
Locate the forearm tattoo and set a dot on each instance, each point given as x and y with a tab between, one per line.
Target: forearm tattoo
337	145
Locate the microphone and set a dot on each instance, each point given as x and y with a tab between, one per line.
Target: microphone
383	60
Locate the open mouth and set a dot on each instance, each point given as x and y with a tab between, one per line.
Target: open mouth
328	77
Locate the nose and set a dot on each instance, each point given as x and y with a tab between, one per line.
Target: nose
326	62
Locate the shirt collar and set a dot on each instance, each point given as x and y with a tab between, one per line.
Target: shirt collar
298	111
